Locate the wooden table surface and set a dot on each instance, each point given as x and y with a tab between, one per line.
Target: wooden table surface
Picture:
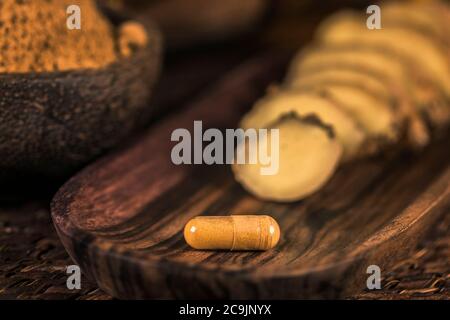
33	262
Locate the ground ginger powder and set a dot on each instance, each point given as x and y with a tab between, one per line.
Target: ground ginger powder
34	37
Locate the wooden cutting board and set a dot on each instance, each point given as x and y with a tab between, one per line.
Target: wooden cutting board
121	219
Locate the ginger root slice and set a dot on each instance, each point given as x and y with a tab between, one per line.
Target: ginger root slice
308	157
396	67
397	74
347	130
426	57
340	74
427	53
368	57
377	117
428	18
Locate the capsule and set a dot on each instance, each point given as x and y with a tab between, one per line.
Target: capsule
240	232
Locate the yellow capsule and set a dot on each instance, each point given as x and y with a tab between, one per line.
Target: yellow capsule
232	232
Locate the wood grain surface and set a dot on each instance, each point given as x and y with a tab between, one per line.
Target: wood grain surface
121	219
33	262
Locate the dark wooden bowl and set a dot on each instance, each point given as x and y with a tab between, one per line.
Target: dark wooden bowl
51	123
122	218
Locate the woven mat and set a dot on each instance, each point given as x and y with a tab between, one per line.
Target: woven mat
33	262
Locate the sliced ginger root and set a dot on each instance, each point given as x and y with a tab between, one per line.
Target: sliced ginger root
376	116
348	131
429	17
349	26
420	51
329	73
394	72
400	70
351	94
308	157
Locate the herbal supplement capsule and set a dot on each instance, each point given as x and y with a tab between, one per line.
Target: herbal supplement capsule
232	233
